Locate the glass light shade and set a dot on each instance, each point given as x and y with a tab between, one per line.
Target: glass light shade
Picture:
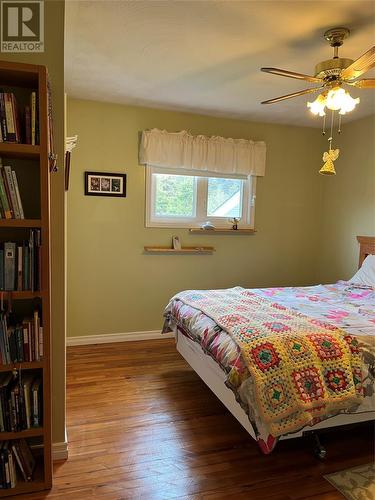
349	104
339	99
336	99
317	107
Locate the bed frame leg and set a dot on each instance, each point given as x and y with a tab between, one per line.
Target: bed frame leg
319	450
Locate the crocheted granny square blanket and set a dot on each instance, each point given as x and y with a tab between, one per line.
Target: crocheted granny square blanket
302	368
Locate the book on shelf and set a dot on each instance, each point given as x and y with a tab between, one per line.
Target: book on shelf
10	199
15	456
18	127
20	401
20	264
21	341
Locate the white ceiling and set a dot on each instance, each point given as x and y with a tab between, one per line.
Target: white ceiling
204	56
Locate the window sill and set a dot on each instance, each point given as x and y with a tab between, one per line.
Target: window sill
195	230
183	250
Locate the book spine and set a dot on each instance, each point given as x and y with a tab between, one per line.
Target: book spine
12	191
27	458
36	335
35	407
2	426
1	269
19	268
16	452
32	260
31	342
11	130
33	118
15	117
6	338
9	265
12	407
41	342
2	343
7	472
26	285
26	391
27	125
2	212
3	122
4	197
19	338
12	470
18	196
25	330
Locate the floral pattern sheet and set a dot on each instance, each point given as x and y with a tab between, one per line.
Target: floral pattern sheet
348	306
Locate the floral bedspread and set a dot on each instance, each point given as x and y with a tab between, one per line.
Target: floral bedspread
346	305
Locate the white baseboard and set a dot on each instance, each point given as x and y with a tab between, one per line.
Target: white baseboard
60	451
116	337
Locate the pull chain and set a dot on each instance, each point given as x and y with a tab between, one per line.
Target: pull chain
324	125
331	134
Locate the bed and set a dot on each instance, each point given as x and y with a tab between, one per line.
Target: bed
214	348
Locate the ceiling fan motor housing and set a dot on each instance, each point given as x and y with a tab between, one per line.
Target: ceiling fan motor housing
332	68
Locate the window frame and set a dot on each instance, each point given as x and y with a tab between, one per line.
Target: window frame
248	200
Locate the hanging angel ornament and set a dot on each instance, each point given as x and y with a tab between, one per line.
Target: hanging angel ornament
329	157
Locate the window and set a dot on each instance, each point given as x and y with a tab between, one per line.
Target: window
178	198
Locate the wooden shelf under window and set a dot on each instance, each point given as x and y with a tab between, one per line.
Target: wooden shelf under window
15	150
198	230
183	250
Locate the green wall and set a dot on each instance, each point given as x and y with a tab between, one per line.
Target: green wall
348	206
53	58
113	287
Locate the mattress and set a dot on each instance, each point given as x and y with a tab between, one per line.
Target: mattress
346	305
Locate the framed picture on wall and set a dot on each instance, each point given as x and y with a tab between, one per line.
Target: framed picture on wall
105	184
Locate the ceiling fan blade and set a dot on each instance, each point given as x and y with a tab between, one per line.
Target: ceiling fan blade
295	94
360	66
291	74
366	83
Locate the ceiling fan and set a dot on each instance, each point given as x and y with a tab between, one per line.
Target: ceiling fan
331	75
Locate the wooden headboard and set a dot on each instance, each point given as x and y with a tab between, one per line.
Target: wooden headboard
366	247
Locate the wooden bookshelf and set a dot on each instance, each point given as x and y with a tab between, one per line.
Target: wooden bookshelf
27	433
20	223
26	365
22	295
32	78
23	151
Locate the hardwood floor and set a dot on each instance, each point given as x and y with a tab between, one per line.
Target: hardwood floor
142	425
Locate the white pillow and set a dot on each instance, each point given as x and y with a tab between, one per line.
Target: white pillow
366	274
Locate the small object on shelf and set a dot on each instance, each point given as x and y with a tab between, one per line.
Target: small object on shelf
208	226
176	243
234	223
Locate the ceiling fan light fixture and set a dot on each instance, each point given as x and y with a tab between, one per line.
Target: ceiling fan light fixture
336	99
317	107
340	100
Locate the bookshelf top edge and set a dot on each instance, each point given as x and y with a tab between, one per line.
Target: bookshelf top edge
19	74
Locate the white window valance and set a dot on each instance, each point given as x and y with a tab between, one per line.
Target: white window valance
211	154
